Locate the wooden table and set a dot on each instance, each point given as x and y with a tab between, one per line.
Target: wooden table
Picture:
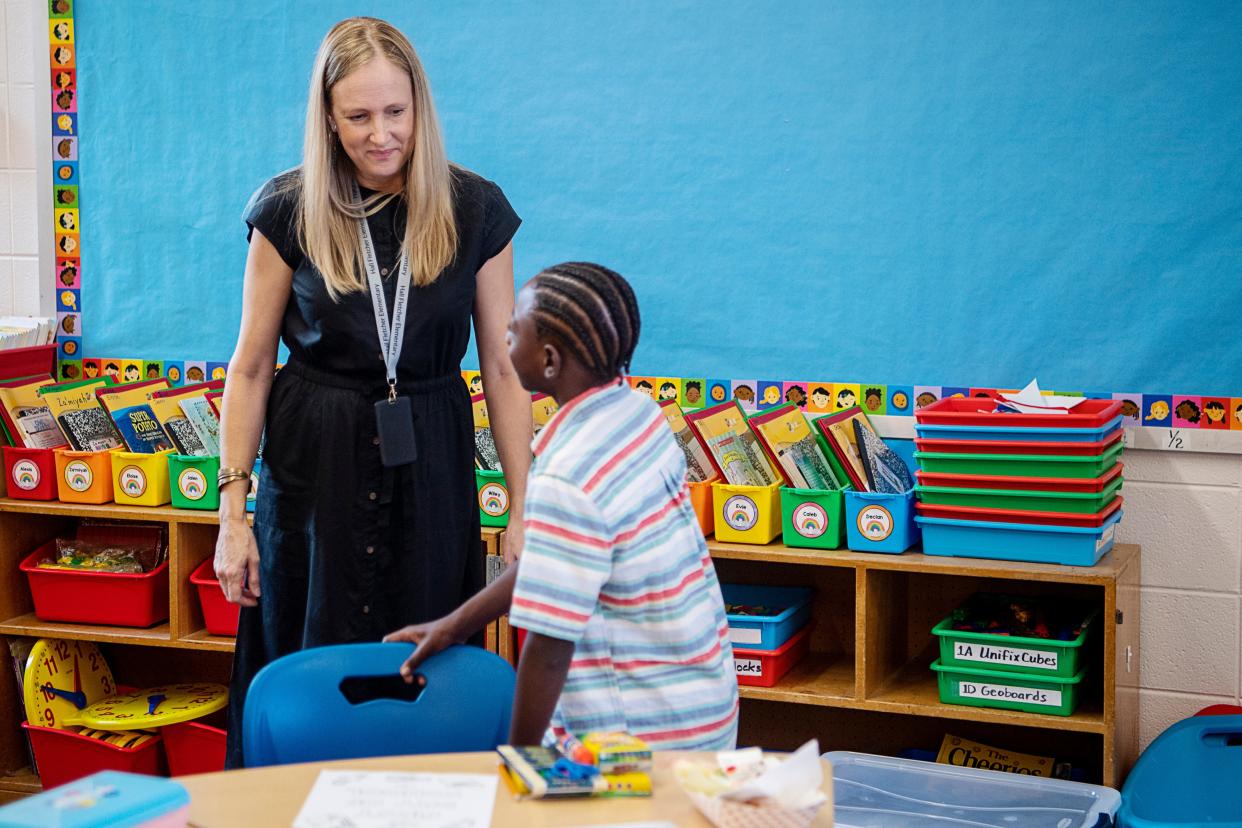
272	796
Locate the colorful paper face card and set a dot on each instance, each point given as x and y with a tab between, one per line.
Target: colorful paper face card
1235	413
60	30
950	391
700	466
769	394
718	390
1187	412
195	371
67	220
131	370
819	397
1131	408
744	394
796	393
667	388
644	385
847	396
874	399
478	407
737	453
70	369
152	370
925	395
990	393
692	392
68	272
67	300
1215	413
474	381
62	55
174	370
1157	410
900	400
91	368
217	370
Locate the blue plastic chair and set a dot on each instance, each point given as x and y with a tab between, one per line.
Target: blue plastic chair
1191	775
320	704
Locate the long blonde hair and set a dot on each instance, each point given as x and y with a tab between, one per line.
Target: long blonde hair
327	217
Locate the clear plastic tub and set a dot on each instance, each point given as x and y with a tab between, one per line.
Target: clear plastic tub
885	792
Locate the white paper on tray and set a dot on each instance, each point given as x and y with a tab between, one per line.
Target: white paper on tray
1031	400
392	799
794	782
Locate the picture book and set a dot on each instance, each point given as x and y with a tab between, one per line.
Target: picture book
699	465
26	416
127	405
791	445
79	415
724	430
543	406
204	420
838	431
886	471
167	405
215	401
486	456
545	773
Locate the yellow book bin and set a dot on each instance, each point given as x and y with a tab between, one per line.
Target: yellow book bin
747	514
140	479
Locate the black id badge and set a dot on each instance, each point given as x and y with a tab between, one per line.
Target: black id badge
394	423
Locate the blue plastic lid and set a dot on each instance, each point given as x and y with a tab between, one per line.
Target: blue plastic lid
108	799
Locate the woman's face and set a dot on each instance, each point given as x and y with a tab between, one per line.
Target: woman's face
373	114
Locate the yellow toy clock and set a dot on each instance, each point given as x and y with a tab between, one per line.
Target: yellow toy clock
153	707
62	679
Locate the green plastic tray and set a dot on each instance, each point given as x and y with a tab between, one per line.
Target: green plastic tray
1027	501
1019	465
1047	658
1008	691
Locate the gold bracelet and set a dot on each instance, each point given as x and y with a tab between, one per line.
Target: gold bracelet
227	476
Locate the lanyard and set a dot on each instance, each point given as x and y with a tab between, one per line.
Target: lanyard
391	339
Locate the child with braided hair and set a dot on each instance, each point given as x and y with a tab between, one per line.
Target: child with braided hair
626	628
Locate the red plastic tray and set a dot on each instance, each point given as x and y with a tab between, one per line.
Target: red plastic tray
1036	484
771	664
63	756
1015	516
35	478
25	362
981	411
194	748
97	597
220	616
1021	447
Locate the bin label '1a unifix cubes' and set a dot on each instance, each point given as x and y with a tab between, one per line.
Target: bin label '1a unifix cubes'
192	484
875	523
494	499
1004	692
1008	656
26	475
133	481
741	513
78	475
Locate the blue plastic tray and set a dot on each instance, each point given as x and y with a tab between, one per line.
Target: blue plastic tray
1067	545
885	792
1030	435
108	799
767	632
1188	776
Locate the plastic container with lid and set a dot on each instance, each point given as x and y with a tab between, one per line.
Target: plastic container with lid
885	792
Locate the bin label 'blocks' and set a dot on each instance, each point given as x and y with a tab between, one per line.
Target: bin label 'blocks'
741	513
26	475
875	523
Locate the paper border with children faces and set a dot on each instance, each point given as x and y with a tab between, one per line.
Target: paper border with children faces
67	216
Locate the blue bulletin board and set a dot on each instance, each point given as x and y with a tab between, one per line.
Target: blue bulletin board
906	192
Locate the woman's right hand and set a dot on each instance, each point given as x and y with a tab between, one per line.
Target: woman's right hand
237	562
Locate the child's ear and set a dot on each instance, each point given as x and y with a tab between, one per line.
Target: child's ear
551	361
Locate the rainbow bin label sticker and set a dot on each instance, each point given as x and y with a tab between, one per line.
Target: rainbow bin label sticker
192	484
875	523
133	481
494	500
78	475
26	475
810	520
741	513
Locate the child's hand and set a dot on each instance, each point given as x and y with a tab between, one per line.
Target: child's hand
429	638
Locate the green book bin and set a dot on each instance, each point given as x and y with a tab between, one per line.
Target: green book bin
193	481
812	518
493	496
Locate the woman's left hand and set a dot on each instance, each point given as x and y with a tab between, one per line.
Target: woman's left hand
513	540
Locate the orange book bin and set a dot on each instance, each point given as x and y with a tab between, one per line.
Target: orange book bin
84	476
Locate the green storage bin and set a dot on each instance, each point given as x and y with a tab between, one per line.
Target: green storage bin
1008	691
812	518
1028	501
1019	465
493	497
193	481
1045	657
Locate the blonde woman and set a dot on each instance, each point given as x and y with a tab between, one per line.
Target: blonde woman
366	518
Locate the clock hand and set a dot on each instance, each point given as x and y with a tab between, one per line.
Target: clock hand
78	698
77	676
153	702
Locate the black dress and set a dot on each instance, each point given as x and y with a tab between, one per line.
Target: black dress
351	550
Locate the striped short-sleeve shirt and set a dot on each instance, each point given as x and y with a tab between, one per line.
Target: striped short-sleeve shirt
615	562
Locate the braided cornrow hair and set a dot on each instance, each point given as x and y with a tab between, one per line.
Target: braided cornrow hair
590	310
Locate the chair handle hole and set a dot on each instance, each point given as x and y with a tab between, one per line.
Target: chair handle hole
362	689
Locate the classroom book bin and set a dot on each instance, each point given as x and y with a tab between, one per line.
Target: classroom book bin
493	497
1008	691
880	522
764	668
1019	465
1029	500
119	599
812	518
192	481
63	756
219	616
140	479
1066	545
746	514
789	609
31	473
701	502
1046	657
84	476
193	747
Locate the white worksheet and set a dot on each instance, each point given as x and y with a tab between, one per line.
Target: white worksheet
396	799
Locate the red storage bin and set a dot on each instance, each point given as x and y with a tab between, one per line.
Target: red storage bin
26	362
764	668
30	473
1017	516
1087	485
981	411
219	614
194	748
1094	449
63	756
